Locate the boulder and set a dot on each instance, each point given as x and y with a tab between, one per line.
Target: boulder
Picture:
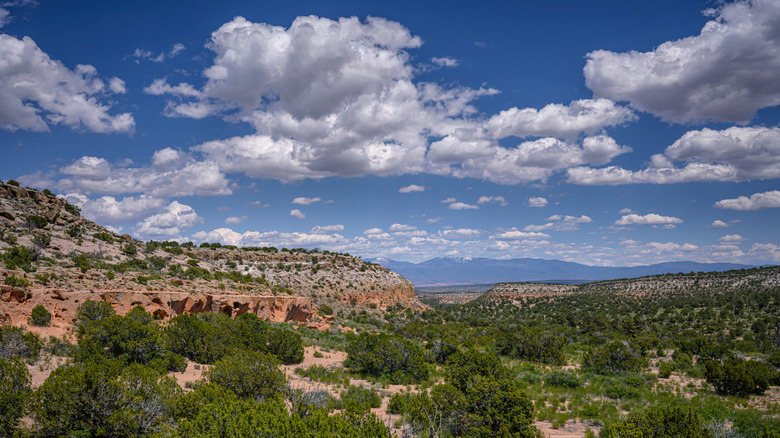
18	192
321	326
51	214
7	212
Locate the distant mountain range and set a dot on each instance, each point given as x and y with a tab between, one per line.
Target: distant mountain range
466	271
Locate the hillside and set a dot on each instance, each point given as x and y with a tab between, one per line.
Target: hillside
52	256
664	285
471	271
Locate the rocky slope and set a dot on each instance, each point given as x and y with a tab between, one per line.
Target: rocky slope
668	284
521	290
51	256
700	282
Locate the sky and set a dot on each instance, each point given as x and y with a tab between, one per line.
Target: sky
608	133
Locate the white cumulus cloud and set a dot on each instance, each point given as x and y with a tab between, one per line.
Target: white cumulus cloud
234	220
411	188
726	73
190	177
493	199
757	201
297	214
109	210
514	233
731	238
172	222
330	97
302	200
733	154
319	229
648	219
37	91
227	236
462	206
555	120
537	201
461	233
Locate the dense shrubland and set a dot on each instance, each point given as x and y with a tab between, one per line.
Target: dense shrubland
722	344
116	382
667	364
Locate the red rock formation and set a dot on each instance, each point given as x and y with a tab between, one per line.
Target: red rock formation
18	303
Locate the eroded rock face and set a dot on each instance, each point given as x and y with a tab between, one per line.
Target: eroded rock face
393	293
18	304
276	285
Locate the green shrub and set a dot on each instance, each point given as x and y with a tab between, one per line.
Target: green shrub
82	262
13	182
360	399
104	236
536	345
10	239
15	343
617	357
74	231
562	379
658	421
249	375
15	281
35	221
440	350
665	369
739	377
223	414
128	249
621	391
14	394
286	345
58	347
402	403
157	263
40	316
381	355
20	257
325	309
41	240
45	278
96	400
73	209
90	311
463	368
497	408
195	339
134	338
756	424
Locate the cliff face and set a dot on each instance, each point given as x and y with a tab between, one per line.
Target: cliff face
65	260
18	303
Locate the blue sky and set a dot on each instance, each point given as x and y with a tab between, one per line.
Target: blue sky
605	133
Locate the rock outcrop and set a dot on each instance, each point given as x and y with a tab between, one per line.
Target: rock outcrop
19	302
75	260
